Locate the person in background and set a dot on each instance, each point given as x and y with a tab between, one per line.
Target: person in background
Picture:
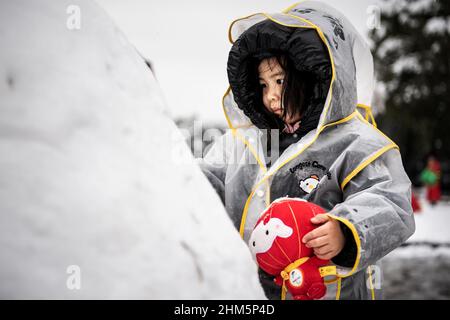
431	178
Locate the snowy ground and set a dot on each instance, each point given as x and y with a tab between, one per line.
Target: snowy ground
419	270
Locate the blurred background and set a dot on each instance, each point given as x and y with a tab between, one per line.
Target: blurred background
186	45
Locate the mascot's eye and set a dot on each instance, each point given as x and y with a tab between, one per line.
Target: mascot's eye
267	232
254	243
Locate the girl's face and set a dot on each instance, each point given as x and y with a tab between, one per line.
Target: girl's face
271	78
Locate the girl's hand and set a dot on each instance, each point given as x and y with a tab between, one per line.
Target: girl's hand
326	240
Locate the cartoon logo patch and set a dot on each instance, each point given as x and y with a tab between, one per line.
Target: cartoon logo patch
296	278
309	173
309	184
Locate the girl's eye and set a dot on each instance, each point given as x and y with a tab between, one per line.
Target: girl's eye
262	85
280	81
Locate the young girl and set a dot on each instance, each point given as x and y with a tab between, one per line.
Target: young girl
296	80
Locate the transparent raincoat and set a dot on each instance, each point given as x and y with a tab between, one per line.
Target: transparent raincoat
346	165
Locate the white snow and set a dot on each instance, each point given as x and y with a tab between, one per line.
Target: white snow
391	6
406	63
389	45
420	250
86	173
414	7
437	25
418	270
432	223
419	6
432	236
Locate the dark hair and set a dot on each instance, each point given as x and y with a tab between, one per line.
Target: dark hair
296	90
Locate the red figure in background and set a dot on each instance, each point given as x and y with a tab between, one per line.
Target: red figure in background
431	177
415	203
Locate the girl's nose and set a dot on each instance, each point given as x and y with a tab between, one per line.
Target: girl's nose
274	94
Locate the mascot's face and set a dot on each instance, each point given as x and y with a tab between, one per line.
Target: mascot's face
265	234
309	184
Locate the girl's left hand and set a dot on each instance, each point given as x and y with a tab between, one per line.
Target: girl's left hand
326	240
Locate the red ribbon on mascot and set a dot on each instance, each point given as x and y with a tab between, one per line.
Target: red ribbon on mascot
276	244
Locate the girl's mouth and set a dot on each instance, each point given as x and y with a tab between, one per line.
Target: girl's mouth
277	111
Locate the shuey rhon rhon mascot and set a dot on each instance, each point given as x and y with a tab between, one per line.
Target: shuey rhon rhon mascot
276	244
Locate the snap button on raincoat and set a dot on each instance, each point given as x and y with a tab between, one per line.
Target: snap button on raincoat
345	165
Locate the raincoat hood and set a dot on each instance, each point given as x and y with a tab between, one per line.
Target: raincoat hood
319	40
264	39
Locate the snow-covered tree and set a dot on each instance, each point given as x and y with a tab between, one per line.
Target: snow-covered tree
412	61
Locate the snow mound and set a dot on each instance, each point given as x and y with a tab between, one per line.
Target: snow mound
432	222
91	203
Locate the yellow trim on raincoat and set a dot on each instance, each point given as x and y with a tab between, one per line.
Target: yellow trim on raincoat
372	291
338	290
365	163
357	241
369	114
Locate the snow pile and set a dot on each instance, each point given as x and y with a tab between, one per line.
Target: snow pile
91	203
432	223
431	236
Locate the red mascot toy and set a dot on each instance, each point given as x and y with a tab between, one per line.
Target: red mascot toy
276	244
